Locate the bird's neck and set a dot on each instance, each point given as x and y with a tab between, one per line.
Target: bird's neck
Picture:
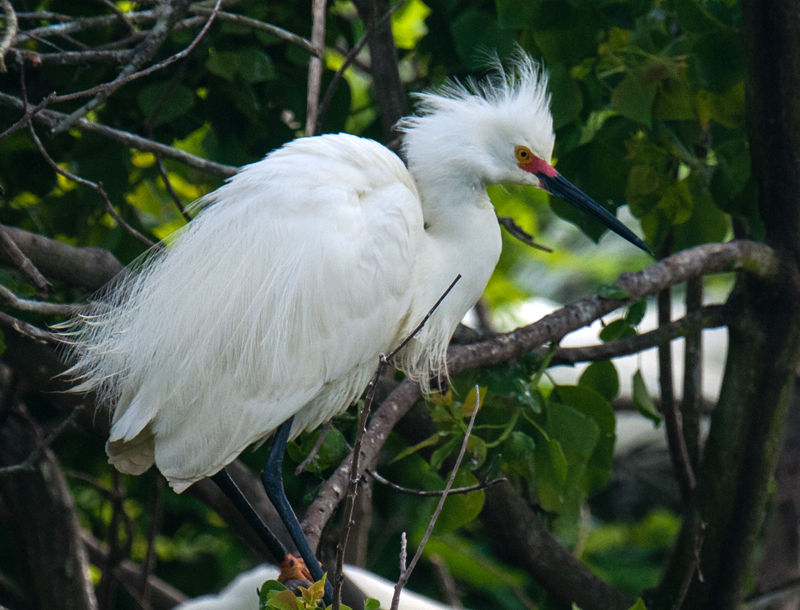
448	202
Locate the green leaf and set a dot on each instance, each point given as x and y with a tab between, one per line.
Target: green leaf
593	405
708	223
372	604
518	454
284	600
442	453
223	64
642	400
268	590
551	473
459	509
641	191
673	101
512	14
475	455
618	329
428	442
255	66
639	605
601	377
611	291
633	98
567	99
171	101
636	312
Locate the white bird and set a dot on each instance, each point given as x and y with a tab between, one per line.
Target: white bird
274	304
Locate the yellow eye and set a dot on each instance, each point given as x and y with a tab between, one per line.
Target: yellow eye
523	153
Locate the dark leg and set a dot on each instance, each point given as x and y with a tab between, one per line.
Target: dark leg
235	495
273	484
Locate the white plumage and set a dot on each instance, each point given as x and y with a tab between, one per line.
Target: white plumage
279	297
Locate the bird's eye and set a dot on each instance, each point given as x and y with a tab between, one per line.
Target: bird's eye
523	153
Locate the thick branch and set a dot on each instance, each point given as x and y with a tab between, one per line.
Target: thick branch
711	258
521	534
45	523
88	268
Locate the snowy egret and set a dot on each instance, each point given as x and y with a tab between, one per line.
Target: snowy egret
269	311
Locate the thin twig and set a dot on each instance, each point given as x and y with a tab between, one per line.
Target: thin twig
149	563
434	494
405	574
127	75
711	316
521	234
322	108
24	264
29	330
355	476
47	309
315	449
97	187
11	31
315	65
30	462
52	117
446	581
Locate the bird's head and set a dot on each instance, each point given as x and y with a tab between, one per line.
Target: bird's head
495	131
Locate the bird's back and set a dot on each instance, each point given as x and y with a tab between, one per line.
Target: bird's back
275	301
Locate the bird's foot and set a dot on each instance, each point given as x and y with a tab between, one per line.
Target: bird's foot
293	568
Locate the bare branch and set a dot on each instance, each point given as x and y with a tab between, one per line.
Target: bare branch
30	462
40	307
73	58
405	574
23	263
350	57
434	494
315	449
752	257
11	31
87	267
170	13
97	187
51	118
521	234
28	330
315	65
712	316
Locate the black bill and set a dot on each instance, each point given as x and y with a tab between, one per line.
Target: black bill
561	187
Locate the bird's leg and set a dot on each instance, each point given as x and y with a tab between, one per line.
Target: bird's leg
273	484
235	495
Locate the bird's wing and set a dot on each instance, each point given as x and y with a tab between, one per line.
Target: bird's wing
295	278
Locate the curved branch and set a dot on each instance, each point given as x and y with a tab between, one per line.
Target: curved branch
11	31
51	118
711	316
749	256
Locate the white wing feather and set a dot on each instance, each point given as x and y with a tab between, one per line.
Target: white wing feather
308	257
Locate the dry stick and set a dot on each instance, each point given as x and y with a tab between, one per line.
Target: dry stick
73	58
98	187
446	581
405	574
691	405
322	109
13	301
521	234
156	514
711	316
30	331
352	486
30	462
24	264
159	161
105	90
672	422
52	117
435	494
11	31
315	66
315	449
